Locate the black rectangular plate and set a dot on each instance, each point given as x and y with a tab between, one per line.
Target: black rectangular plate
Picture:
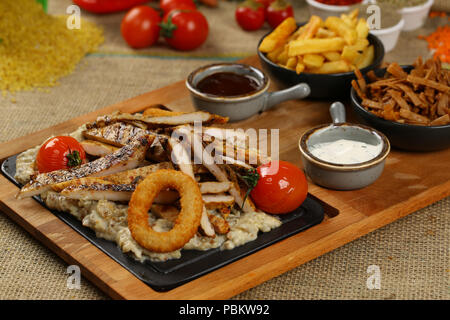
164	276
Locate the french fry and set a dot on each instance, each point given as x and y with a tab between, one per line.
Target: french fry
283	56
313	46
311	28
298	32
300	67
273	55
365	58
291	63
332	55
348	20
301	47
342	29
313	60
333	67
324	33
361	44
279	35
350	54
362	30
354	14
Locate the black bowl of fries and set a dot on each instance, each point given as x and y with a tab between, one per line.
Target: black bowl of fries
327	73
413	115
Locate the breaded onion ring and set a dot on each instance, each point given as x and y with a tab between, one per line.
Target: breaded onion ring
188	219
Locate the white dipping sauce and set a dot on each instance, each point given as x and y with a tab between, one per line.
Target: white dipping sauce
345	151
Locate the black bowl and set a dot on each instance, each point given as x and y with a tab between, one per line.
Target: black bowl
322	86
403	136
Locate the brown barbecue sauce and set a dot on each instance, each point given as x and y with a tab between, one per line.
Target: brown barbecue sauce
227	84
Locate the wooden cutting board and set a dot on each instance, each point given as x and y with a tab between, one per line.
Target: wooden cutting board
409	182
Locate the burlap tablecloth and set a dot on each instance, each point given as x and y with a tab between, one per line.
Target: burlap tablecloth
412	253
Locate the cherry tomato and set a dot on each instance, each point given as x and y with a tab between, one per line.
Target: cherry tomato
185	29
250	15
140	27
168	5
278	11
281	190
60	152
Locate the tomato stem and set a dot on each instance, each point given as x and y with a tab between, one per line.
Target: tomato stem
251	4
280	4
167	28
73	158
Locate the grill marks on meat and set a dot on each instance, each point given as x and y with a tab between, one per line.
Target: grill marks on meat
113	192
159	121
120	134
97	148
117	134
99	191
127	157
134	176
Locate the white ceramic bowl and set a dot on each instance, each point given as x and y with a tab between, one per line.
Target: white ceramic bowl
325	10
389	36
415	16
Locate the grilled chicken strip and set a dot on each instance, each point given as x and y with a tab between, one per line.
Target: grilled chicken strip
161	121
220	225
113	192
214	187
100	189
119	186
217	201
134	176
120	134
157	112
117	134
127	157
182	159
167	212
221	175
96	148
170	213
230	136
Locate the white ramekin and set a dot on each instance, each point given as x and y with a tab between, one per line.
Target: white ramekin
389	36
415	16
325	10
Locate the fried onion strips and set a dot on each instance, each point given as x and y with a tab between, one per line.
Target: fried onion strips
188	219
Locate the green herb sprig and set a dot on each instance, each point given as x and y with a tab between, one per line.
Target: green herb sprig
251	180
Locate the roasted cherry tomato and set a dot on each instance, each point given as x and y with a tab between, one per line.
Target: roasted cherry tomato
280	188
60	152
140	27
278	11
168	5
185	29
250	15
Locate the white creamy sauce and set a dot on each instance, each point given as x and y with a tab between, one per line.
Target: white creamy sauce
345	151
109	219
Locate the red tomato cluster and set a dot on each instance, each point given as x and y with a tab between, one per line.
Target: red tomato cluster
251	14
181	24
